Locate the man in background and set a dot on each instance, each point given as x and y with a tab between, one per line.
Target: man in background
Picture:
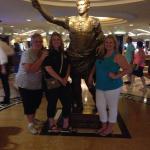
129	55
5	50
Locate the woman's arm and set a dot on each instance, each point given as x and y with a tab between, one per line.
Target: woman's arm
125	67
54	74
36	66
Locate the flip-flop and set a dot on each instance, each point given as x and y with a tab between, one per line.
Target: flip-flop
53	128
68	129
106	134
100	130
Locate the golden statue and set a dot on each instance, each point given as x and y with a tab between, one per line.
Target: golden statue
85	35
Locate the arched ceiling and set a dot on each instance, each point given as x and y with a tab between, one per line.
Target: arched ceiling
126	15
94	3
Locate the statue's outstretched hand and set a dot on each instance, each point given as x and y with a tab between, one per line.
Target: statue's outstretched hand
36	4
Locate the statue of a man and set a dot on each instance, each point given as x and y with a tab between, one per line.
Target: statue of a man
85	35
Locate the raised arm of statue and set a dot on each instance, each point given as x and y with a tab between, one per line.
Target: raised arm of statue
61	21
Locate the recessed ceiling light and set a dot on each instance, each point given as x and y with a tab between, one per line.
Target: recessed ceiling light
131	25
28	20
120	32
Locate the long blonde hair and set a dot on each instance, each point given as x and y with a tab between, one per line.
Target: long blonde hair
101	50
114	40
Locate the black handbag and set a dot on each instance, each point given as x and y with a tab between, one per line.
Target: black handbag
53	83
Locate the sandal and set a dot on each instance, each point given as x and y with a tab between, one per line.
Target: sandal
101	130
106	132
68	129
53	128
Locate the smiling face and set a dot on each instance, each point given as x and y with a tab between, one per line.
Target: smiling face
56	42
110	43
37	42
82	6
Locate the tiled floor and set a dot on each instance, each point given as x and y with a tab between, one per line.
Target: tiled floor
134	111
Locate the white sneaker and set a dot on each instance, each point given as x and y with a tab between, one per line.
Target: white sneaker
32	129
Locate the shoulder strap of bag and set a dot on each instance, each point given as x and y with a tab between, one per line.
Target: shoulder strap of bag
62	61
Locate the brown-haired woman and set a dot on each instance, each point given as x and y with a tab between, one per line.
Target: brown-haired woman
52	65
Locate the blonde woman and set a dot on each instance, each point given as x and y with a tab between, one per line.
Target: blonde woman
109	83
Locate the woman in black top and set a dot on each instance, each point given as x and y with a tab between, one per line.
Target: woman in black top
52	66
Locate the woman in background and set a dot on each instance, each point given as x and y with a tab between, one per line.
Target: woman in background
109	83
139	63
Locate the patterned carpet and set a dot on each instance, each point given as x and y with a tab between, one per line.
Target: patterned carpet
13	101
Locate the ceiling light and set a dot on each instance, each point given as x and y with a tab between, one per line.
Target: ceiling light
131	34
120	32
143	34
29	32
16	33
28	20
43	34
105	18
142	30
94	3
105	34
12	26
109	21
28	39
131	25
147	40
50	32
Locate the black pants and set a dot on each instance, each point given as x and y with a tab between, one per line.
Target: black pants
31	100
5	83
62	93
76	87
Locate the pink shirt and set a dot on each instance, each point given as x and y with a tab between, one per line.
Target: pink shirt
139	58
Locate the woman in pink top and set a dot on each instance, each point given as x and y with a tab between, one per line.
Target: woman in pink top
139	62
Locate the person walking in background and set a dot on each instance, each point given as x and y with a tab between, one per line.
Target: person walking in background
139	63
129	55
29	79
109	83
5	51
56	66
